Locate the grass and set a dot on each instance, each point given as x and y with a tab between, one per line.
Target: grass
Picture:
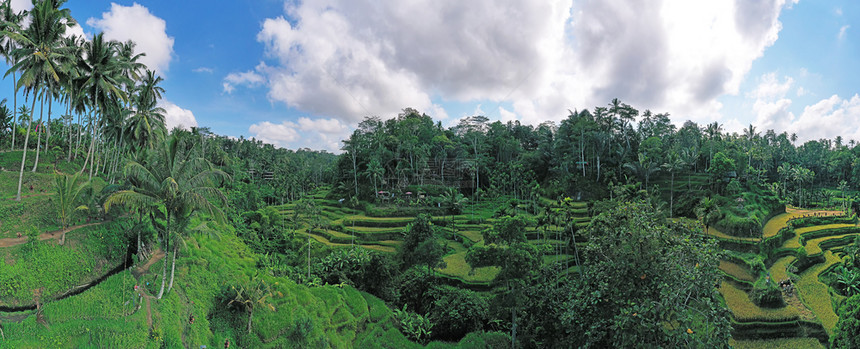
744	310
475	236
733	269
778	271
776	223
813	246
801	231
794	343
456	266
31	213
815	294
89	253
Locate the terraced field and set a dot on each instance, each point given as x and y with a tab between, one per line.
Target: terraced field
339	226
808	317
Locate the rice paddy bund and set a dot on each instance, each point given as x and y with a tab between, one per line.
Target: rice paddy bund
812	303
339	226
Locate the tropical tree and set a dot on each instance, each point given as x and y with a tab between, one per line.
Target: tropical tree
10	21
674	163
178	183
643	168
69	194
147	122
708	212
38	55
257	293
103	80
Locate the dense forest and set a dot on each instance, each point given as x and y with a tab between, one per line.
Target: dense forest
611	228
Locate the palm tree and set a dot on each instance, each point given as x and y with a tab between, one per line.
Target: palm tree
10	20
38	56
708	212
102	72
255	293
146	124
643	168
69	194
178	183
714	130
673	164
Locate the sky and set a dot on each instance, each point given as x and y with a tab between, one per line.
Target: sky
304	74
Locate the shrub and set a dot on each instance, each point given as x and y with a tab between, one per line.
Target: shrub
766	294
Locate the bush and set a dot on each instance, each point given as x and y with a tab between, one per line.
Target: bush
766	294
456	312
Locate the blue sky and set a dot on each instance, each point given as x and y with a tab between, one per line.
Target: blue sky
303	74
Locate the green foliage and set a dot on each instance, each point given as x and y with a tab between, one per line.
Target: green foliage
420	246
847	333
635	265
766	293
456	312
416	327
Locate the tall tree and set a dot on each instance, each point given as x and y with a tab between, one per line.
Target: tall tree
11	21
38	55
103	81
180	184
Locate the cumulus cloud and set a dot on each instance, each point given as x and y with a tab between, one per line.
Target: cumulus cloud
345	60
206	70
249	78
826	118
136	23
323	133
176	116
829	118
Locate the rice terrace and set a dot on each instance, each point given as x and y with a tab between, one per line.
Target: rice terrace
386	174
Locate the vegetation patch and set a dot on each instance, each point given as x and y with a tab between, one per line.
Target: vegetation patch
816	295
737	271
795	343
744	310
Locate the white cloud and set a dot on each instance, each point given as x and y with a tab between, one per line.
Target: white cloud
829	118
323	133
136	23
842	31
506	115
206	70
343	59
176	116
249	78
20	5
770	87
802	91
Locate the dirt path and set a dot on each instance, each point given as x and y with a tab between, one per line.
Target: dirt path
9	242
143	269
140	271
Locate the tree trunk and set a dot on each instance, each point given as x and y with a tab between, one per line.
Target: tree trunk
173	266
80	133
24	157
39	132
672	196
14	110
250	316
166	250
48	125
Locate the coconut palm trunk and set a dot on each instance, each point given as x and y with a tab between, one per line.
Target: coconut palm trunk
39	132
14	110
24	156
173	265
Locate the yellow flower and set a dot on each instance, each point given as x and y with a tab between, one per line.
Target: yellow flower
697	265
689	331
